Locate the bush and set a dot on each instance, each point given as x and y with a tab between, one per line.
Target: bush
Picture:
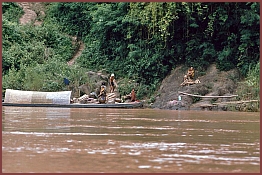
12	11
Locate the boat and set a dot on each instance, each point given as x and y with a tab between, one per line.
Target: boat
60	99
78	105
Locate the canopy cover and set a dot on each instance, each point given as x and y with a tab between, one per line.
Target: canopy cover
37	97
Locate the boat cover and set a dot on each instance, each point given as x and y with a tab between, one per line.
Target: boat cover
37	97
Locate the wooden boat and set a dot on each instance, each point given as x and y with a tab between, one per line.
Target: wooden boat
78	105
60	99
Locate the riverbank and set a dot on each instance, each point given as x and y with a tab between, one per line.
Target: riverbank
213	83
225	91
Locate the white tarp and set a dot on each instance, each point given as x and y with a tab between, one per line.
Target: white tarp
36	97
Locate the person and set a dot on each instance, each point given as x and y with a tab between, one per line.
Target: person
112	83
190	74
102	94
103	86
133	95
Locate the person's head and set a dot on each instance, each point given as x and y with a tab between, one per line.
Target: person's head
112	75
103	83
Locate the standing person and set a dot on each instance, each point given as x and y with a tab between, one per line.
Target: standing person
112	83
133	95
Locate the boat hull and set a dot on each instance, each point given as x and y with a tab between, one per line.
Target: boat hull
116	105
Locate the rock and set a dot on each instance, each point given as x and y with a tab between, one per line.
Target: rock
214	82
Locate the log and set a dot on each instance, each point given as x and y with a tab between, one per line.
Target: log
236	102
226	96
209	106
190	82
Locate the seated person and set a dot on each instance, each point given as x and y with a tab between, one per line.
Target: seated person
190	74
102	95
103	86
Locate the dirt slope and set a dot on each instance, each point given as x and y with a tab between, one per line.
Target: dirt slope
30	12
30	15
214	82
77	53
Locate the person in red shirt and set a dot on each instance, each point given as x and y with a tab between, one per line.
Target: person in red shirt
133	95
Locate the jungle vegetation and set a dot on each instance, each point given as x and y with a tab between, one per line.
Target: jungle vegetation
139	41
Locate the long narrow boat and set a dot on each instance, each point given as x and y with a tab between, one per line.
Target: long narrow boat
78	105
60	99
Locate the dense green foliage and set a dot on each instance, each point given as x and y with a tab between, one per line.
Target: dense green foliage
11	11
252	83
34	57
140	41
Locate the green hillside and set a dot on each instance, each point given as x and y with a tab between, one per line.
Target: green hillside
139	41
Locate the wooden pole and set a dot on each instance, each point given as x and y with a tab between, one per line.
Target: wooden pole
226	96
237	102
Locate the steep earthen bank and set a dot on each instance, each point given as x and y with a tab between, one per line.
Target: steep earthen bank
213	83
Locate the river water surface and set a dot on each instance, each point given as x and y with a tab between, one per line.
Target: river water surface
52	140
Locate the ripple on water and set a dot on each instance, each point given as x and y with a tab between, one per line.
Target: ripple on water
144	166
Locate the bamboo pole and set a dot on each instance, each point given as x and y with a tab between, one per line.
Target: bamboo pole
236	102
226	96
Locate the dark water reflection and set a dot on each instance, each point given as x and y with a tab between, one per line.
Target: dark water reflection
129	140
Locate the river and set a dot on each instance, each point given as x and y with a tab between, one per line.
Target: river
64	140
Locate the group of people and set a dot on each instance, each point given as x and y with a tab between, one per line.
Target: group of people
112	83
187	78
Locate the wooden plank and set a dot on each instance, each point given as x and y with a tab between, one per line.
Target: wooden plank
208	105
226	96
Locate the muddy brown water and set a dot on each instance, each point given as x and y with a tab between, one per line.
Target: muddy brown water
52	140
